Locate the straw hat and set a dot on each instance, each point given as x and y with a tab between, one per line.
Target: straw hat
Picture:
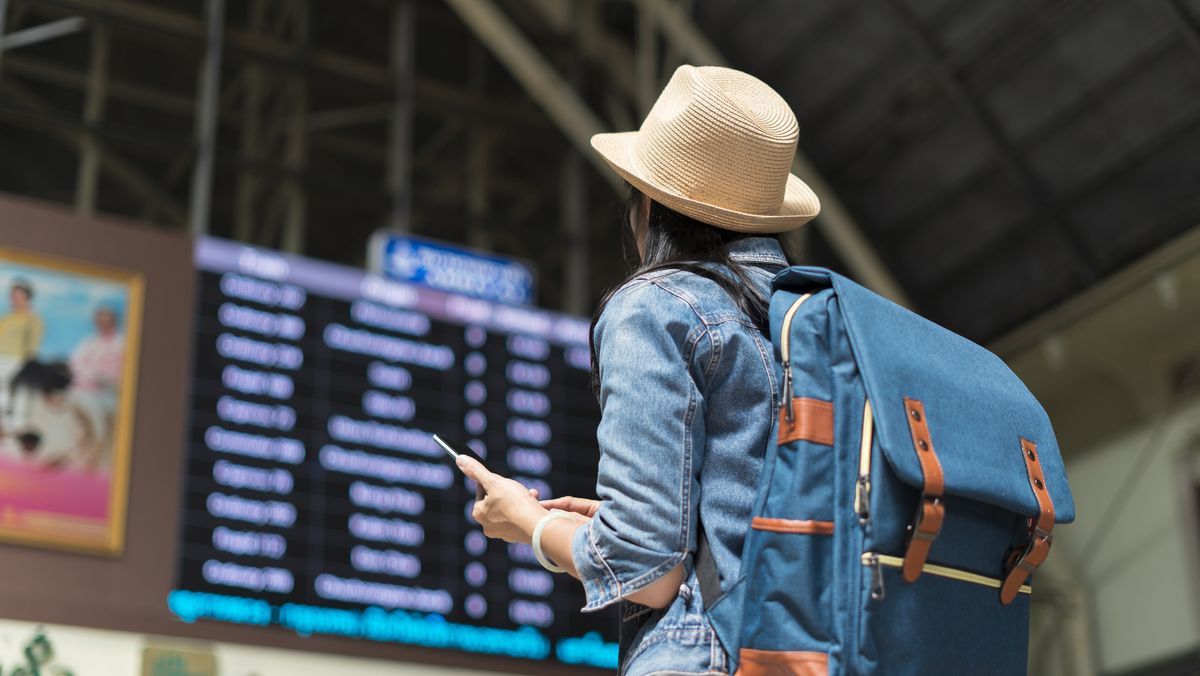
717	146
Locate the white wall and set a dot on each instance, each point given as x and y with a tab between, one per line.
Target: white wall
1141	577
1131	598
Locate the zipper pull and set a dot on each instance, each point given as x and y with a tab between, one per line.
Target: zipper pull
786	402
862	498
877	591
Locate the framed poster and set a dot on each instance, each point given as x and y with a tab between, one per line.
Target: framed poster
69	334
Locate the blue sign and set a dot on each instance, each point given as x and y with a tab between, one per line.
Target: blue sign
445	267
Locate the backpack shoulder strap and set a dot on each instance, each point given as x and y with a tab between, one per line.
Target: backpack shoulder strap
707	574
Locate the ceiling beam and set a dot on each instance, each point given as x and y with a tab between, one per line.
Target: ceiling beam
42	33
239	41
431	94
122	171
1187	23
539	79
599	47
434	96
207	103
836	223
1099	295
40	70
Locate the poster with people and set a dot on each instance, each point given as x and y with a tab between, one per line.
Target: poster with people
68	356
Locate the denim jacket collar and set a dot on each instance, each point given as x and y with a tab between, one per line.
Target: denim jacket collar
763	250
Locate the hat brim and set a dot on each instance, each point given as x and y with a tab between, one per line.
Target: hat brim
800	204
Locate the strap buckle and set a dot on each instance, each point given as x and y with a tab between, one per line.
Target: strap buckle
925	527
1024	560
1019	556
1043	535
931	505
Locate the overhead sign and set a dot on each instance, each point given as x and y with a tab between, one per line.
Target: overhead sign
445	267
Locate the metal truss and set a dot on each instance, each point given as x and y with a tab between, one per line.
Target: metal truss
246	149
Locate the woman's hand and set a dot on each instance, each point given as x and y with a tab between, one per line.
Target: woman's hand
506	509
583	506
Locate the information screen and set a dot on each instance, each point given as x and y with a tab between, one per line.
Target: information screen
315	497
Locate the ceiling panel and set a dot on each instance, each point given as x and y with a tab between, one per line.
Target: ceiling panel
1002	155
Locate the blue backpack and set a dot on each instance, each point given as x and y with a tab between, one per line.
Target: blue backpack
908	497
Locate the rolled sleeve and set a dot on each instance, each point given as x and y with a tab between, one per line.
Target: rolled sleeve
653	352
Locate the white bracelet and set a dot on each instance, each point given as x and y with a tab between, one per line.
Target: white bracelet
537	539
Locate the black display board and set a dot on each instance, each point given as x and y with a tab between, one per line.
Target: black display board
315	498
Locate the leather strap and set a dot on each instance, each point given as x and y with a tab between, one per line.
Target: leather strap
1021	562
797	526
811	420
753	662
927	522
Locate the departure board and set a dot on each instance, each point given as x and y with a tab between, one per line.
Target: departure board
315	498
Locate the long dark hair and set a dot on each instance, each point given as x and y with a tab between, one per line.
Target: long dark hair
678	242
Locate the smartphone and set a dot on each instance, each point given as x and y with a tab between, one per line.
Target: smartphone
456	448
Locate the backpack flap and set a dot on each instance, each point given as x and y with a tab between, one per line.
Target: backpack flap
986	435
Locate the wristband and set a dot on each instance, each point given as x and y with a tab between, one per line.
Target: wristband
537	539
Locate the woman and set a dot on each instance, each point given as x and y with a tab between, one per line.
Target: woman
20	339
96	365
685	372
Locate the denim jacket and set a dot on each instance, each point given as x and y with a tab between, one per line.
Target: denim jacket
688	398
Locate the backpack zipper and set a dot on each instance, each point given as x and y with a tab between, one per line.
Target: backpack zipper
862	487
785	352
871	560
875	561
